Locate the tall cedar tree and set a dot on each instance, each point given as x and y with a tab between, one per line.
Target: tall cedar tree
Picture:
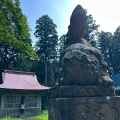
116	51
62	42
92	33
105	46
46	33
110	48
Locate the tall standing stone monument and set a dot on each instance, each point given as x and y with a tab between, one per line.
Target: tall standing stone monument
85	90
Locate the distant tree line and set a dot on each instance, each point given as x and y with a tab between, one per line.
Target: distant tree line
109	44
17	53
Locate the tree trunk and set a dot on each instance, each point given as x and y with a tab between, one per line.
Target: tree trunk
5	59
45	70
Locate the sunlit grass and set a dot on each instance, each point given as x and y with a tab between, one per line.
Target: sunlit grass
43	116
8	118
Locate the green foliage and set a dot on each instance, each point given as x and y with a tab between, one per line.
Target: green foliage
116	51
22	63
14	30
8	118
51	78
46	33
15	42
43	116
45	47
110	48
105	45
92	33
39	69
62	42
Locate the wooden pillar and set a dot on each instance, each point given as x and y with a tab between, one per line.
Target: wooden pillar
39	102
2	101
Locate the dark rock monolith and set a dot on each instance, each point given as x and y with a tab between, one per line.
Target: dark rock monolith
84	90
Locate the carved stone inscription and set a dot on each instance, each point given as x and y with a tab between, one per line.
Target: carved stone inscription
85	108
95	111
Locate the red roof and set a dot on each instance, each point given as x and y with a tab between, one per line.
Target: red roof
21	80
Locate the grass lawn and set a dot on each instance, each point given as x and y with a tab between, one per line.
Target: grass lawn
43	116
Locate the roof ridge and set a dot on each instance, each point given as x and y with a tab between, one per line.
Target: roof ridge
19	72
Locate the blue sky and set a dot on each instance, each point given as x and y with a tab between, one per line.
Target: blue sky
105	12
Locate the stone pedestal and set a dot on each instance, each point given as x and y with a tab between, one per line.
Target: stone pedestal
85	108
82	91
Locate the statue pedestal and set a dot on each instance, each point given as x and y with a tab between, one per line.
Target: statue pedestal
85	108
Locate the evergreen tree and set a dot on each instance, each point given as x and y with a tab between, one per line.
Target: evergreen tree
105	46
110	48
39	69
116	51
92	34
62	42
22	63
46	33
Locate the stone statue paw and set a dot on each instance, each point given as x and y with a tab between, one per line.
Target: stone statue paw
105	81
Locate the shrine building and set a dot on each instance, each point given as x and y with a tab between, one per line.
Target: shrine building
18	88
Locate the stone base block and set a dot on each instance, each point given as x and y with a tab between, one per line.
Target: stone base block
82	91
85	108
